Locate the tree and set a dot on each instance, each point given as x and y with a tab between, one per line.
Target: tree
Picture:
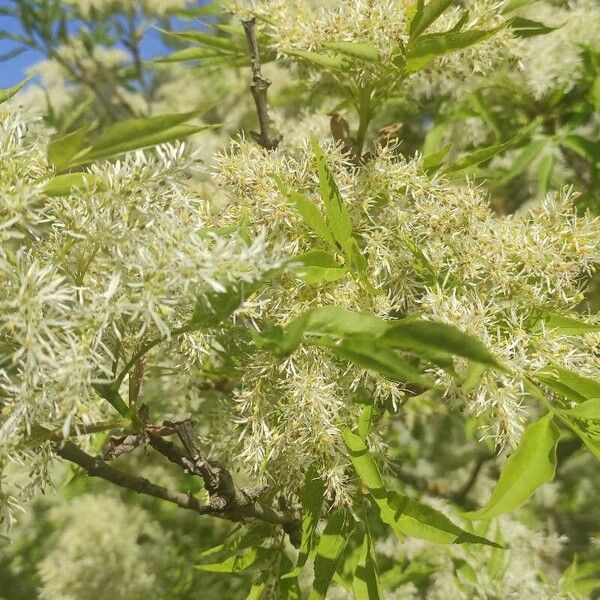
327	343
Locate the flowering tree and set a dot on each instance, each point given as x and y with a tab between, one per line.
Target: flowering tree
327	358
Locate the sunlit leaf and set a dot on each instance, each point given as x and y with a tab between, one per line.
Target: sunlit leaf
365	583
329	550
426	15
532	464
404	515
63	185
420	335
360	50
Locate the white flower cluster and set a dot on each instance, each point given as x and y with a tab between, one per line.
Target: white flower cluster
102	549
551	61
89	277
526	569
486	274
312	26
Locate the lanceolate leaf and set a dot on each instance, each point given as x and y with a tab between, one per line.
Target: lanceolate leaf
564	325
427	15
319	267
8	93
335	63
335	209
477	156
288	585
63	185
365	353
240	562
431	45
527	28
572	386
125	136
403	514
61	151
588	410
419	335
309	211
319	322
360	50
365	583
312	501
313	217
329	550
522	161
532	464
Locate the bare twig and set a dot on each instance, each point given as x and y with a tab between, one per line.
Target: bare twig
96	467
259	88
225	499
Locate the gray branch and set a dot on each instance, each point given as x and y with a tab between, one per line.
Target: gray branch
259	88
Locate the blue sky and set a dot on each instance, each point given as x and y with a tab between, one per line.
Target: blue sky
13	70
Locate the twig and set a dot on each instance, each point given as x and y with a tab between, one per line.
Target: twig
96	467
259	88
225	499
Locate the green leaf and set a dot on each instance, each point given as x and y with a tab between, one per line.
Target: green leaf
323	321
587	149
338	217
522	161
63	185
573	386
62	151
364	352
581	579
235	564
318	267
427	47
214	307
477	156
257	590
309	211
403	514
544	174
587	410
586	429
360	50
133	134
433	160
8	93
427	15
421	265
365	583
563	325
206	39
329	550
525	28
313	493
335	63
532	464
191	54
313	217
364	421
420	335
288	585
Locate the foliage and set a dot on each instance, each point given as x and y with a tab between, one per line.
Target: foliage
351	355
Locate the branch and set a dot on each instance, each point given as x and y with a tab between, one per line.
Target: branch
225	499
259	88
96	467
